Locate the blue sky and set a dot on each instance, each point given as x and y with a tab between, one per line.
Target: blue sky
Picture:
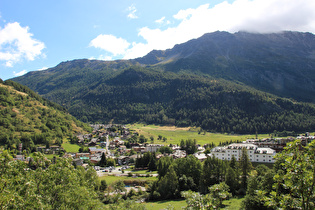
38	34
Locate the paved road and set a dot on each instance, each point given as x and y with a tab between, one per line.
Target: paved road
107	143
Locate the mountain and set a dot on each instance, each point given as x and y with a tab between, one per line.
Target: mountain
278	63
25	117
222	82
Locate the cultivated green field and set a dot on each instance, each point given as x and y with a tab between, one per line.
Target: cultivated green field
174	134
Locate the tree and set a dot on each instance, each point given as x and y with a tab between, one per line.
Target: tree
195	200
103	185
253	199
168	185
119	186
165	149
189	146
191	167
142	139
213	172
294	186
103	161
110	162
219	192
212	200
245	166
152	139
164	139
231	180
152	163
49	186
163	165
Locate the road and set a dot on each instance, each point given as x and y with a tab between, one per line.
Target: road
107	143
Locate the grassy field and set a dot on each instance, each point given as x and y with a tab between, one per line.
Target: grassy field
112	179
174	135
176	204
68	147
51	156
232	204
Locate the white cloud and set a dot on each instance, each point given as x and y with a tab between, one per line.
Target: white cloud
110	43
42	69
17	74
161	20
132	12
16	44
261	16
105	58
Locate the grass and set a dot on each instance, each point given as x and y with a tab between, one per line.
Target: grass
232	204
140	171
51	156
176	204
68	147
111	179
174	135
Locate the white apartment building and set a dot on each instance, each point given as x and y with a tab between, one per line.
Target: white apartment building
153	147
255	154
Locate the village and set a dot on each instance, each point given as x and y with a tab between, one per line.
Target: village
117	142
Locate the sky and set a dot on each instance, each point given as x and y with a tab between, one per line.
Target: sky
39	34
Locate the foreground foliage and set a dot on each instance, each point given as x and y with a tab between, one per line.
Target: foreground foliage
294	186
52	185
213	200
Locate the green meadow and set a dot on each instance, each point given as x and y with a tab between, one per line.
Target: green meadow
174	134
68	147
231	204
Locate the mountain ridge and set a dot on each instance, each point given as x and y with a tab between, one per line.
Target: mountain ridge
203	75
273	63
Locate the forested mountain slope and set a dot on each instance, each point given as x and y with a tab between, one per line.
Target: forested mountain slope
141	95
215	81
25	117
279	63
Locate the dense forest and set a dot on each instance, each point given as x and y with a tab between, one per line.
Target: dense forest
140	95
25	117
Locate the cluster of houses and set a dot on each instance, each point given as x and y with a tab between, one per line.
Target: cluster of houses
259	150
94	156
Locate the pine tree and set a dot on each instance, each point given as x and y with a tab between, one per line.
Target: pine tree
245	166
103	160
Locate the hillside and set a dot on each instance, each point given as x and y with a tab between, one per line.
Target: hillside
222	82
141	95
25	117
279	63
